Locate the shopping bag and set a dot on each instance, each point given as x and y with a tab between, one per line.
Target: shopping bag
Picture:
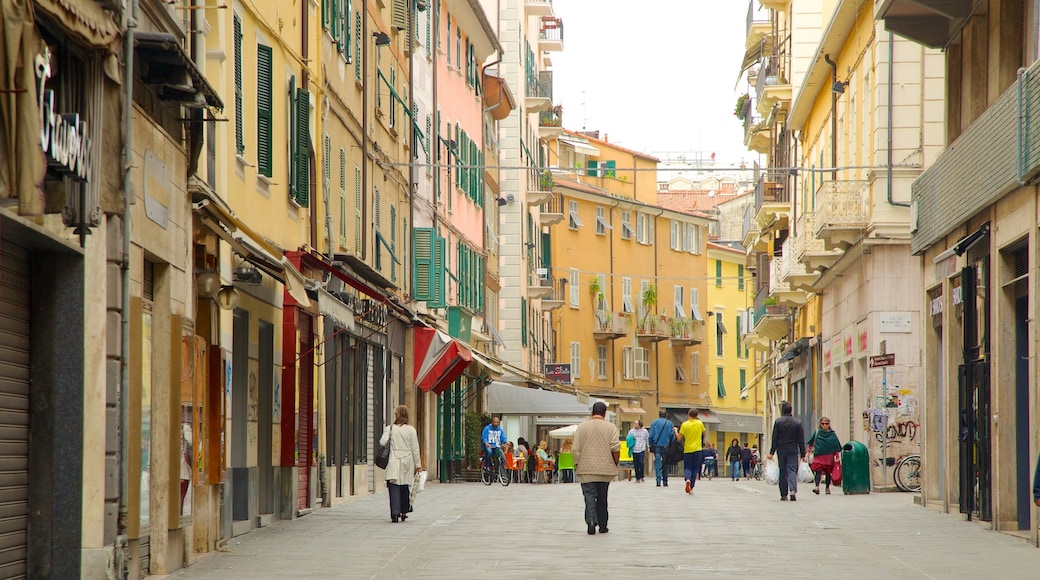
420	481
836	473
772	474
805	475
673	453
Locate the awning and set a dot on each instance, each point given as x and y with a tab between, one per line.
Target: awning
563	432
740	422
493	367
83	19
632	410
166	59
507	399
754	381
439	359
331	308
680	415
580	146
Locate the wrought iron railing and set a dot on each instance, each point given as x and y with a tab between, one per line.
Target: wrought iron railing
842	203
552	117
552	29
772	187
759	16
540	84
775	66
806	241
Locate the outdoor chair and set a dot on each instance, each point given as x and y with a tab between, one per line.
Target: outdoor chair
542	467
515	466
565	467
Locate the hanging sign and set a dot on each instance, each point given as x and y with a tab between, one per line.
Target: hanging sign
63	136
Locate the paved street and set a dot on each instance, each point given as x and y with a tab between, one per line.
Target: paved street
725	529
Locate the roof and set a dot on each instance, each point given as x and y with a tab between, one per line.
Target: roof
613	145
735	247
592	190
694	200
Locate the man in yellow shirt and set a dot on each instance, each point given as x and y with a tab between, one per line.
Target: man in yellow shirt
691	432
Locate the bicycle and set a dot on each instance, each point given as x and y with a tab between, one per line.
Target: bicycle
907	473
756	470
497	470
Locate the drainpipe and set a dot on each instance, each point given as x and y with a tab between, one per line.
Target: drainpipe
305	77
435	134
834	114
129	24
411	165
891	92
364	129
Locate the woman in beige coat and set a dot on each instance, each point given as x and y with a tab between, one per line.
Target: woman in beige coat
404	462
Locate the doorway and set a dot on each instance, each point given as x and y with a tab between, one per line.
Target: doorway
974	395
265	417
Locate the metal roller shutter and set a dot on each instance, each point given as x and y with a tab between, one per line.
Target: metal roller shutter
14	409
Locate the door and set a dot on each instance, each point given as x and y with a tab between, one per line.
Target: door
265	417
15	296
975	410
239	415
1023	458
304	421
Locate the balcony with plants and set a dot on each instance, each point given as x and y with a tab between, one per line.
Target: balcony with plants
651	327
539	186
844	213
550	34
773	83
809	249
685	331
550	122
771	322
552	211
756	128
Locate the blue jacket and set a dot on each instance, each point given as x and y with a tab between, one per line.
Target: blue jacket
496	437
662	432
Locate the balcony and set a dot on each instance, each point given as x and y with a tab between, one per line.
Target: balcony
539	186
540	288
752	236
539	7
554	299
771	322
758	25
653	328
610	325
793	278
844	213
772	200
539	94
550	35
686	332
933	23
808	249
778	5
551	212
550	123
773	85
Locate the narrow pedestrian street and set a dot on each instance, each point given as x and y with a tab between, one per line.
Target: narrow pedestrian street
725	529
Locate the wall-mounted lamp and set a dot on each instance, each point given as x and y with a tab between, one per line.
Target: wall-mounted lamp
710	313
227	297
501	201
207	283
838	87
530	245
382	38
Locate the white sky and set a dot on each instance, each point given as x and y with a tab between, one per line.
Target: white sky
657	75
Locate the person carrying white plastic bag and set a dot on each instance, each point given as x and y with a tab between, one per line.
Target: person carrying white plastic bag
418	485
789	440
772	474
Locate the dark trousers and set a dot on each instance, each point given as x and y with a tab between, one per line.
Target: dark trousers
660	468
826	475
692	466
595	503
639	465
399	499
788	462
747	468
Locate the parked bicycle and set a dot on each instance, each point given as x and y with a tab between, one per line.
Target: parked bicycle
907	473
756	469
496	471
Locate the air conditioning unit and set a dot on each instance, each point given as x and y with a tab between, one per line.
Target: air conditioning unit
335	285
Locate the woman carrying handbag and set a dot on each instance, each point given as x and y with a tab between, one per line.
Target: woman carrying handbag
403	464
825	447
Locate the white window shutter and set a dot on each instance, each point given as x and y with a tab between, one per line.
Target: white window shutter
575	288
626	298
695	304
677	299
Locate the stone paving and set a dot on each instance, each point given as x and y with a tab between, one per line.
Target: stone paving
724	529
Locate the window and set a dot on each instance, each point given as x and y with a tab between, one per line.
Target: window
740	276
680	373
263	106
428	251
609	169
523	322
576	360
676	242
357	210
718	273
721	386
641	228
342	197
601	221
626	295
240	144
626	226
720	329
677	300
642	363
743	384
695	304
695	368
601	300
698	236
299	144
574	221
601	362
626	358
574	288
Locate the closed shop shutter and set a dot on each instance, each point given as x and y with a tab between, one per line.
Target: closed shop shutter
306	395
14	409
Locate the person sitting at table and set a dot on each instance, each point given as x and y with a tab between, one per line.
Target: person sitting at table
544	457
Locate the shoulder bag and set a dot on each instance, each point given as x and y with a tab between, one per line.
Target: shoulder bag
383	458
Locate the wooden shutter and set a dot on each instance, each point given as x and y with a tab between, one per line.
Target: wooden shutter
240	145
302	158
440	252
740	276
610	172
592	168
342	197
718	273
523	321
357	210
263	105
422	256
393	243
357	46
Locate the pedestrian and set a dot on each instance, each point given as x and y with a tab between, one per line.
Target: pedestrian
662	432
745	460
1036	484
711	461
789	441
597	451
492	438
733	458
641	436
825	447
692	434
404	463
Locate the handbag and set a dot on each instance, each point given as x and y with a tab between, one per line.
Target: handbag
836	473
383	457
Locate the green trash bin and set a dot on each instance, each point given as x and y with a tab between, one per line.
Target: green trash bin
855	468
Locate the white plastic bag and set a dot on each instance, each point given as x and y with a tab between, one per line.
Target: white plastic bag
420	481
805	475
772	474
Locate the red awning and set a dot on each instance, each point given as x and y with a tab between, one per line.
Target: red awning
439	359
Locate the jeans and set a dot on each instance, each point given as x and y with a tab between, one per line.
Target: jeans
497	452
596	503
788	462
660	469
734	470
399	499
639	465
692	466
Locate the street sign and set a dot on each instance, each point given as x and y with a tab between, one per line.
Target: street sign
883	360
560	372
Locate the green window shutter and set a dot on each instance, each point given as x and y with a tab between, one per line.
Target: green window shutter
347	48
423	243
342	197
263	99
523	321
447	41
357	46
240	145
357	210
611	169
429	17
736	333
458	46
438	281
743	379
592	168
722	387
546	251
334	28
302	160
393	242
718	273
326	8
740	276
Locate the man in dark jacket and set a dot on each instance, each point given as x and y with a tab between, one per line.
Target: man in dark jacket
1036	484
789	440
662	432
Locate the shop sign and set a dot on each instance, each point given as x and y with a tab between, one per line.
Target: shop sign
559	372
63	136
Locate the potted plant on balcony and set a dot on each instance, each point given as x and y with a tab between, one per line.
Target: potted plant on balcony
771	304
545	180
740	111
649	300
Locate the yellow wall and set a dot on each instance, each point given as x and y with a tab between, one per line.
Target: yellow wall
728	296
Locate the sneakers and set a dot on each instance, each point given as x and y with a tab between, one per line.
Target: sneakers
793	498
816	490
688	486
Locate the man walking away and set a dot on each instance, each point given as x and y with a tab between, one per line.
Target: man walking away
692	434
789	440
597	451
662	432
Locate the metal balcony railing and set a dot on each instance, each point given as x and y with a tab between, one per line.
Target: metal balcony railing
772	187
750	226
755	16
552	117
540	85
789	264
552	29
843	204
775	66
